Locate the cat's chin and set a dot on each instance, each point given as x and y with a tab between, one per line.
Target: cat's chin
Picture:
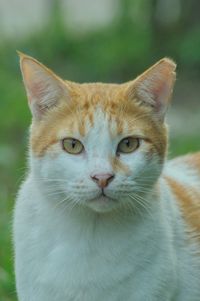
102	203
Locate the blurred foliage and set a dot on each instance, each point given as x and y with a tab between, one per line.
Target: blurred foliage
136	38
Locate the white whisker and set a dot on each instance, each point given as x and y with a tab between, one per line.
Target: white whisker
141	201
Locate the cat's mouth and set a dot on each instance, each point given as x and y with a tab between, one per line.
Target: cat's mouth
103	193
102	197
102	202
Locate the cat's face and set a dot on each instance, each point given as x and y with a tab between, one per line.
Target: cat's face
98	145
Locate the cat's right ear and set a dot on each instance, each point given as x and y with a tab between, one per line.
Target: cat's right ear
44	89
154	87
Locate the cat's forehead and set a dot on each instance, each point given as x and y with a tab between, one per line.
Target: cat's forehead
100	106
90	96
94	111
92	89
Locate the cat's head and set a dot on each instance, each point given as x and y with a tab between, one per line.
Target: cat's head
98	145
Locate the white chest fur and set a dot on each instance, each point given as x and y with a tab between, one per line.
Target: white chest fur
84	256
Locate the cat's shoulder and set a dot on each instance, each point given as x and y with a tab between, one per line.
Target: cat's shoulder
182	176
192	161
184	167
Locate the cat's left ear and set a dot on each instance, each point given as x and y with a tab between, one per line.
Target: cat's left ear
154	87
44	89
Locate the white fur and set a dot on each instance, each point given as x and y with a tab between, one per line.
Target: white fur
70	245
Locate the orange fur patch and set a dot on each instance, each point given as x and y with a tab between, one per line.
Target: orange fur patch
118	166
189	201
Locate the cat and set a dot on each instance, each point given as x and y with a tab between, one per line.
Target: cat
102	215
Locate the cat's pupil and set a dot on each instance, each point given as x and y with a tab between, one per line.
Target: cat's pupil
73	143
127	142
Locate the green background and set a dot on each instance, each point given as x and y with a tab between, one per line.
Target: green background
114	53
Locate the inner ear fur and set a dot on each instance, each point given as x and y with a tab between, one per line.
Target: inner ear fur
154	87
43	87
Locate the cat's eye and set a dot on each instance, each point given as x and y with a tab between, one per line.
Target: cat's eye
128	145
72	146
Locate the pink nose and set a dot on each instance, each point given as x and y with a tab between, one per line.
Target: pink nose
102	180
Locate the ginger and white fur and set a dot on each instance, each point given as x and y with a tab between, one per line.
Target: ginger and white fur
140	240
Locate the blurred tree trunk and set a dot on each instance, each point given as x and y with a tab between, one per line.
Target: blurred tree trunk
55	13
